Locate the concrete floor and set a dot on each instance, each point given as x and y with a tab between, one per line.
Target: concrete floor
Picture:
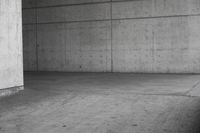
103	103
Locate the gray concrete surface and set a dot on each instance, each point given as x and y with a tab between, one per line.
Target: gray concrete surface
150	36
11	65
10	91
103	103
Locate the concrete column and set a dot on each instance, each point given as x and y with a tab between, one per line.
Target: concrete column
11	64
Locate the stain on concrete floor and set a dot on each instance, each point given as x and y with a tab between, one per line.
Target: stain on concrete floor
103	103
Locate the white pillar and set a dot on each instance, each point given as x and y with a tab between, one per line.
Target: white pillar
11	63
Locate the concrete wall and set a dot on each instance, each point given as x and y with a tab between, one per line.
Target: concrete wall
11	70
153	36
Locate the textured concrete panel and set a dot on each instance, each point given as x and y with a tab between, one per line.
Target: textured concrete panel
176	7
132	44
90	45
29	48
74	13
174	50
89	35
162	45
74	47
11	70
29	16
29	3
171	36
51	51
132	9
148	8
89	61
43	3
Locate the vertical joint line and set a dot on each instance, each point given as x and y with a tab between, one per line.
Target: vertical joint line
153	50
36	33
111	6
